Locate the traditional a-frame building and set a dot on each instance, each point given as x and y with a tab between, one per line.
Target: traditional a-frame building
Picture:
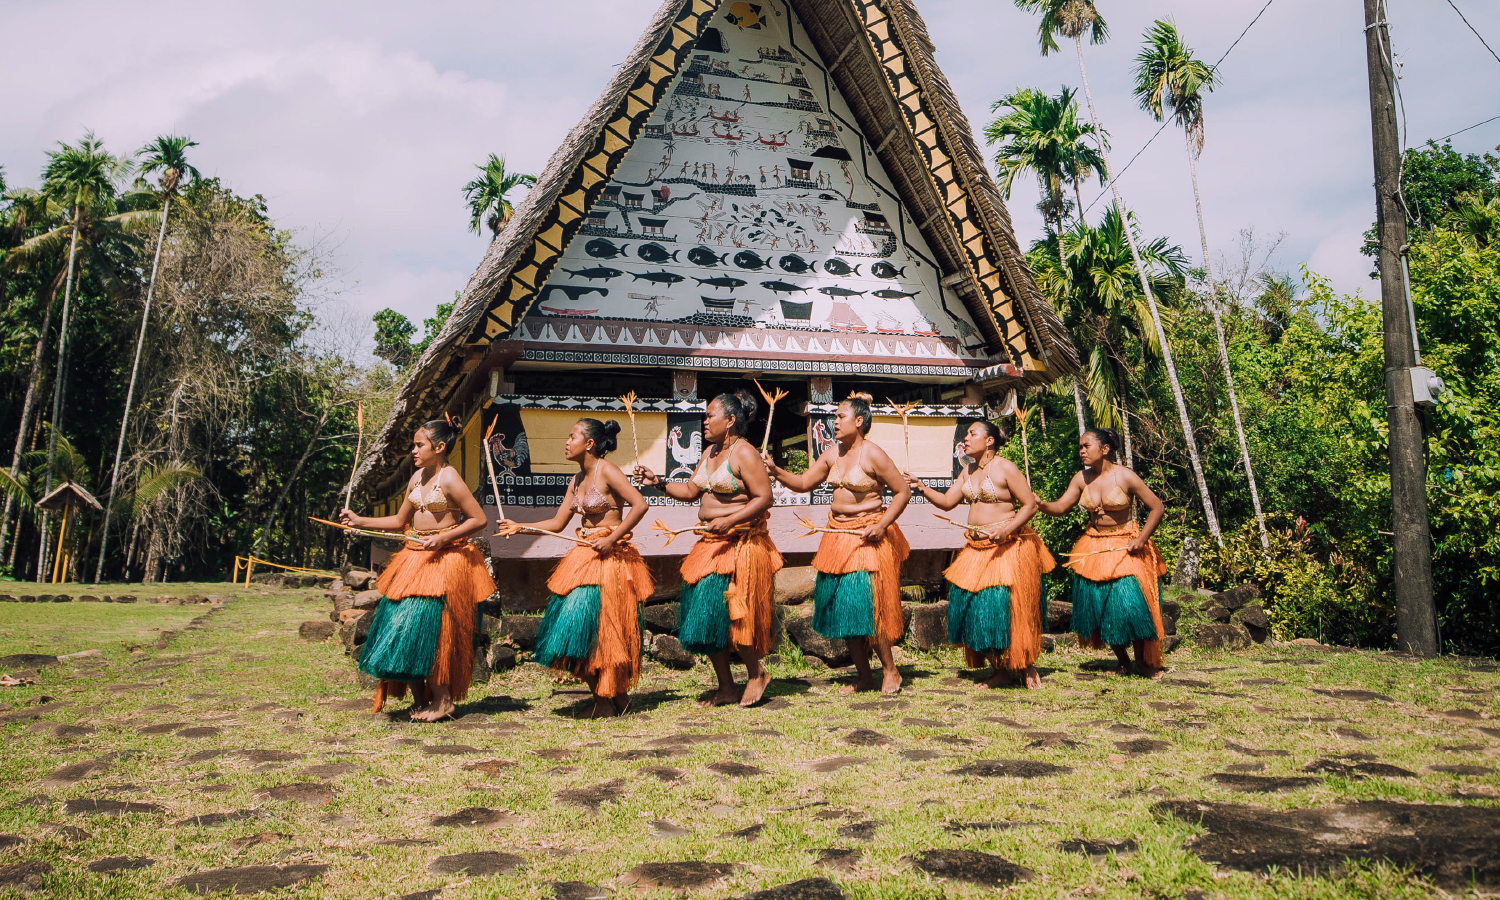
785	190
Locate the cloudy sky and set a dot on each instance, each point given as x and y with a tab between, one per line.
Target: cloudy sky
360	122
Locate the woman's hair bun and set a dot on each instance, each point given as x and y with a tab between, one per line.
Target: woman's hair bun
602	434
611	427
861	395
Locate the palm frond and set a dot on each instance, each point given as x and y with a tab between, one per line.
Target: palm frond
14	488
156	483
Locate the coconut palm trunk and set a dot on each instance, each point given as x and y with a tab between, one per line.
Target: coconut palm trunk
28	408
57	383
135	368
1213	306
1161	334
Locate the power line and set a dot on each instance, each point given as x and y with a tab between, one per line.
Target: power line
1164	124
1470	128
1475	30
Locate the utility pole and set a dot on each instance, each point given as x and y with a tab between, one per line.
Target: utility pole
1416	616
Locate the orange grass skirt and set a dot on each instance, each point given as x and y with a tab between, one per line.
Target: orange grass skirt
750	561
459	575
1146	565
841	554
624	584
1018	564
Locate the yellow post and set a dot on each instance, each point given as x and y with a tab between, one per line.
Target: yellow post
62	535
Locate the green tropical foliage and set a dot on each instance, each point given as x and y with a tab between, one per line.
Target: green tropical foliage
1167	75
1069	18
1043	135
488	196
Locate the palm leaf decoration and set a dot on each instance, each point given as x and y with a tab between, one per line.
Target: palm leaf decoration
157	483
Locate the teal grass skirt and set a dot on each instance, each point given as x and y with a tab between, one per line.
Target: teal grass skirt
1114	610
844	605
403	639
980	621
703	617
570	627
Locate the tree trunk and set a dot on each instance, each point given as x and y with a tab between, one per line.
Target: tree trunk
135	368
1234	403
286	489
1161	334
57	381
1078	407
29	406
1125	419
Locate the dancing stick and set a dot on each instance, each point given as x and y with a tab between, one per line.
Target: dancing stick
489	464
1094	553
629	401
359	420
770	416
973	529
905	410
824	529
667	530
384	535
516	527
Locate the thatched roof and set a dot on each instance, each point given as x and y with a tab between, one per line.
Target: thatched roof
880	57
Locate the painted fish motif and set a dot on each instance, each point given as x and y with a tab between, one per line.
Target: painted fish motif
702	256
658	277
884	269
599	248
723	281
745	15
749	259
888	294
781	287
794	264
656	253
840	292
574	291
836	266
602	272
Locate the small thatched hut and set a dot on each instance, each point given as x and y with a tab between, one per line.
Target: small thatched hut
782	189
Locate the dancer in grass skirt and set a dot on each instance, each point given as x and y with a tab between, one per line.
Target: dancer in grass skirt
727	576
423	631
995	592
857	596
593	623
1116	566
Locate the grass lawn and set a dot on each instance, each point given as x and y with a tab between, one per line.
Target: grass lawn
248	746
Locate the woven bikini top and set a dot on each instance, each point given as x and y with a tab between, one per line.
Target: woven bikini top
593	502
987	492
436	501
1113	501
720	481
856	479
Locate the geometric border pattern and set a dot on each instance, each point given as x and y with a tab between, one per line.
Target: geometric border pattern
907	84
593	172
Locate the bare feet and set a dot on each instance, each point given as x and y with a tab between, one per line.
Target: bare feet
863	684
621	704
1153	674
436	711
721	697
890	682
604	708
755	688
1000	678
1033	678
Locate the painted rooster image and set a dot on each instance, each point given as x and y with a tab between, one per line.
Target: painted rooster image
684	456
822	433
509	458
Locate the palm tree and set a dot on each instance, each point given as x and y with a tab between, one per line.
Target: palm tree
167	155
486	195
1042	135
1096	289
1167	73
1071	18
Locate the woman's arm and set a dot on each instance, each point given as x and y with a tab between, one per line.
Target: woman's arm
1067	501
1020	491
677	490
628	493
1155	508
564	512
398	522
744	459
886	473
815	475
945	501
474	521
